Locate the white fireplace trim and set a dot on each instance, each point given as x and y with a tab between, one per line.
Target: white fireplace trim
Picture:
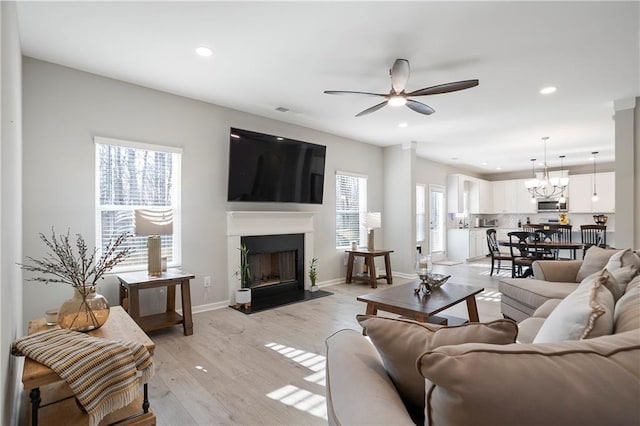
249	223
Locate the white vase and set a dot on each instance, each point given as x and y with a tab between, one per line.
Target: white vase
313	288
243	296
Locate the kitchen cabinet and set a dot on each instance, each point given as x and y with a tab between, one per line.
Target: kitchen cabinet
581	191
469	195
511	196
465	244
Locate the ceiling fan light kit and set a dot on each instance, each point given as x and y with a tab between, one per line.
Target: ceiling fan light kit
399	74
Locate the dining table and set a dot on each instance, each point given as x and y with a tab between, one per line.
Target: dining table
549	245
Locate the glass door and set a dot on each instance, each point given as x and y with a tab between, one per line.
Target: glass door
437	230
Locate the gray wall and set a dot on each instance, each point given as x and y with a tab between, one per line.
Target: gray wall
627	168
399	207
64	108
10	211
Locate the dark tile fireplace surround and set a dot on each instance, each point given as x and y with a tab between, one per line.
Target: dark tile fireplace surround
277	269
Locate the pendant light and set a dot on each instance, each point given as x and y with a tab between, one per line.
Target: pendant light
594	197
547	187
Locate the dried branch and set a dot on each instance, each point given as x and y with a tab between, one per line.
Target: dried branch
81	270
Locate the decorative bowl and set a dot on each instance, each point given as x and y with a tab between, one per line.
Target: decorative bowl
436	280
600	219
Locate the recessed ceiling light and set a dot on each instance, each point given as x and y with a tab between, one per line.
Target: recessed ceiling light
454	158
548	90
204	51
279	138
498	168
484	163
403	124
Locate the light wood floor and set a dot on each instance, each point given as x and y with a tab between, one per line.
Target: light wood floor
268	368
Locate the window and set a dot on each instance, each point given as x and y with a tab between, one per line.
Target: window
420	213
351	206
130	176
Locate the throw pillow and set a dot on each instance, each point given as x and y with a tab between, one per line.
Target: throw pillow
400	343
623	277
623	258
595	260
585	313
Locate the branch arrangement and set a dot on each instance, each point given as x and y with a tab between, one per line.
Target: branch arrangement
81	270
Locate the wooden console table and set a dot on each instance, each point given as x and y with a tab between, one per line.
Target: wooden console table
132	282
368	256
55	404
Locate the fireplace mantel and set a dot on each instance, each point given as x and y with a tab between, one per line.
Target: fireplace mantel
248	223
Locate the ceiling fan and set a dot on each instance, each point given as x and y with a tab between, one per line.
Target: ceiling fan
399	74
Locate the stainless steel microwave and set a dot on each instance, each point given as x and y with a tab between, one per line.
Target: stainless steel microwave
546	205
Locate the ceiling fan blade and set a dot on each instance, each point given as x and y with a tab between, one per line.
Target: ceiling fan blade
399	73
347	92
445	88
420	107
372	109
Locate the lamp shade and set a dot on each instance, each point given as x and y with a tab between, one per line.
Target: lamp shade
373	220
153	222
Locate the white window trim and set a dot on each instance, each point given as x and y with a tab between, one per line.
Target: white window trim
177	213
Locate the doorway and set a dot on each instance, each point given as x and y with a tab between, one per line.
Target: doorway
437	230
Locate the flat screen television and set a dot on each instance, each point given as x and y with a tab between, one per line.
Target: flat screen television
266	168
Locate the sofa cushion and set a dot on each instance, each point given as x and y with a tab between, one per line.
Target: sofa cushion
621	277
354	368
586	382
587	312
595	260
531	294
626	316
400	343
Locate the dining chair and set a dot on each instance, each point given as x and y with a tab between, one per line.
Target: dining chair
565	237
531	227
546	235
593	235
521	253
495	253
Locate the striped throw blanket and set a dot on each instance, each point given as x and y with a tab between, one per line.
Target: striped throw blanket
104	375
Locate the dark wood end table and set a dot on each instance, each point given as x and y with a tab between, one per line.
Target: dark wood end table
132	282
369	256
402	300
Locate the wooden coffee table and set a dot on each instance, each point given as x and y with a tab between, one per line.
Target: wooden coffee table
402	300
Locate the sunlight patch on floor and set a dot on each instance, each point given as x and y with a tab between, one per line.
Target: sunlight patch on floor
293	396
301	399
490	296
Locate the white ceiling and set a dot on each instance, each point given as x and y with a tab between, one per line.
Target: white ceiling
285	54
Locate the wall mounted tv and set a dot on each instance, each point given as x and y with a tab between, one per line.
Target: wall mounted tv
266	168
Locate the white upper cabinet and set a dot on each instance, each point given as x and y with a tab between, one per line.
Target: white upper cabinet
466	194
581	191
523	198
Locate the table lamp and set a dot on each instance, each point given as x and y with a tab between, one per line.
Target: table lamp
153	223
372	221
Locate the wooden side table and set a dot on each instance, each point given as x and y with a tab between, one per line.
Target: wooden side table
55	405
132	282
369	256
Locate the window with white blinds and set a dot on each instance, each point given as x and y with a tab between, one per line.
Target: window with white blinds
351	206
131	176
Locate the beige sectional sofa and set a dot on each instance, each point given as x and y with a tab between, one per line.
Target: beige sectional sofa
593	379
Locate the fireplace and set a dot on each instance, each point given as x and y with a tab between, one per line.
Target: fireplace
277	269
280	246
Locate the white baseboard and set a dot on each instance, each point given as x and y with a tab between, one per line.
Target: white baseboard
206	307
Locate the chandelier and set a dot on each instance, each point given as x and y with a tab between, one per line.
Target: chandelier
547	187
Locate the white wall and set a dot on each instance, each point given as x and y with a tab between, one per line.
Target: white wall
10	212
64	108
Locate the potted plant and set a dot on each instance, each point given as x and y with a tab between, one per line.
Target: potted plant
243	295
87	310
313	274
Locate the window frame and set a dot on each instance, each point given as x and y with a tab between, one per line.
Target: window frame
176	193
362	208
